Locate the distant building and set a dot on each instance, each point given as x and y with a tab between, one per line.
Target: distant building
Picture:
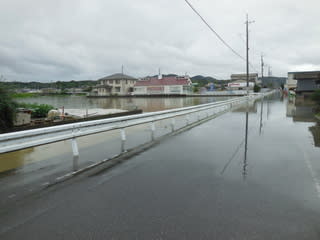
240	85
116	84
74	90
50	90
167	85
273	82
253	77
304	82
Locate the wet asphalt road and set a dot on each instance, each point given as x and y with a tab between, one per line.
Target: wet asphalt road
196	185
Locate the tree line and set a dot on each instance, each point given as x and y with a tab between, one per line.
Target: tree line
58	84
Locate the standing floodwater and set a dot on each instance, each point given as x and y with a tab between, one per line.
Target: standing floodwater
146	104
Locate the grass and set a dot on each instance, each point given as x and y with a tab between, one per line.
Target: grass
24	95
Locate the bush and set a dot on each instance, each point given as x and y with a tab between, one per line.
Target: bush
7	109
38	110
316	96
256	88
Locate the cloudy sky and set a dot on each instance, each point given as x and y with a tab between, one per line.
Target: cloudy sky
46	40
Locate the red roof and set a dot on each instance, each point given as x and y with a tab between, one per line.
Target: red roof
154	81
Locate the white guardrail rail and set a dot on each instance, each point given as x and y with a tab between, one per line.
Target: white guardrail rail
10	142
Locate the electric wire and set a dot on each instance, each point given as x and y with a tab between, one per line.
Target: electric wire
218	36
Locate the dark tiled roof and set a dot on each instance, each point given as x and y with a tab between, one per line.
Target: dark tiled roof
307	72
118	76
307	76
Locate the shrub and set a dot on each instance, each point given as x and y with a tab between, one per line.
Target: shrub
38	110
7	109
316	96
256	88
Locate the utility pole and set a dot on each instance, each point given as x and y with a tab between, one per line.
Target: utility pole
262	66
247	51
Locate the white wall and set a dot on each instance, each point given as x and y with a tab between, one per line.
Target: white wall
291	82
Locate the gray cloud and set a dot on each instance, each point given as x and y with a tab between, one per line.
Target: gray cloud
47	40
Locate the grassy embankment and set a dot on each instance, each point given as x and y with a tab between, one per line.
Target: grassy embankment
30	95
24	95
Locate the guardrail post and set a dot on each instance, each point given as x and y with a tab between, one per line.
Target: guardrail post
123	139
173	122
75	152
153	129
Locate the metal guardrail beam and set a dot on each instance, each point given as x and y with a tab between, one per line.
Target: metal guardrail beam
31	138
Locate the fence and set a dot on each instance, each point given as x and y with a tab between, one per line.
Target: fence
26	139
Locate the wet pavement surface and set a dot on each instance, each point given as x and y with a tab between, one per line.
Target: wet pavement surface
205	183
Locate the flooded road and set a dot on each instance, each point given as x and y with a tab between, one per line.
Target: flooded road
244	175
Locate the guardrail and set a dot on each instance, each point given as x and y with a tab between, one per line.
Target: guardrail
31	138
229	92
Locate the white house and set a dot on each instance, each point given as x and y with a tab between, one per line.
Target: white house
116	84
164	85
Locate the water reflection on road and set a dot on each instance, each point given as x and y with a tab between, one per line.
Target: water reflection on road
11	161
302	110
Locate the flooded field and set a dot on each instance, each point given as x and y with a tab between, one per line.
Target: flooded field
146	104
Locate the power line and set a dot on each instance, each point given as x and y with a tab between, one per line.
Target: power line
218	36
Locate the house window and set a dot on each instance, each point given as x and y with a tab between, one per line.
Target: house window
110	81
117	81
117	89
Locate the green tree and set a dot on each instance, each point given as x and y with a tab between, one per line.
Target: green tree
7	110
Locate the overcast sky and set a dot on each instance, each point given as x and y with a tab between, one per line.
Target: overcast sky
46	40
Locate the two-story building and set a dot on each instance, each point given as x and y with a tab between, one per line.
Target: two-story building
116	84
164	85
304	82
